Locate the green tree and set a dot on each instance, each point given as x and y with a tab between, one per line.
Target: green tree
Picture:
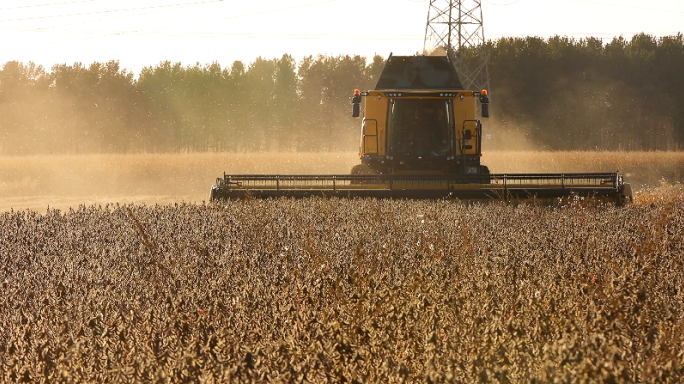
286	105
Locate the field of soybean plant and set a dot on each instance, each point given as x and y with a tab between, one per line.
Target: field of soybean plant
360	290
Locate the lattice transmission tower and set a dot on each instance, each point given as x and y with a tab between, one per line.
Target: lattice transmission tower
455	26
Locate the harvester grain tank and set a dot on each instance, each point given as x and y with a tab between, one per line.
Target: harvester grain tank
421	137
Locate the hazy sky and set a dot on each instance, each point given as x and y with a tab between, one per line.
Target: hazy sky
145	32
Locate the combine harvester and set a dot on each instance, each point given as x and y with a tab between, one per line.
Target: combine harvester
421	138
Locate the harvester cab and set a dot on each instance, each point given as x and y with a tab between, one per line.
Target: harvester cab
420	121
421	137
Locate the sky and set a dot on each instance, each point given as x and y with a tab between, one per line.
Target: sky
141	33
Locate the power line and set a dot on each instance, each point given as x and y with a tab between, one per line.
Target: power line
52	28
610	35
47	5
626	6
109	11
170	26
247	35
303	36
56	29
311	36
502	5
238	16
94	33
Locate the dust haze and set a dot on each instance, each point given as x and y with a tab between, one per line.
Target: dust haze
584	112
96	154
66	181
63	181
503	135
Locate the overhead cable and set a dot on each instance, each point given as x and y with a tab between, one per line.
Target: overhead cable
502	5
54	27
109	11
47	5
171	26
243	15
626	6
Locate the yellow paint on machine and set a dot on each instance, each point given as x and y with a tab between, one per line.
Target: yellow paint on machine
374	134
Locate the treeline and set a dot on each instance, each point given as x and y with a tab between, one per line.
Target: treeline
267	105
557	93
582	94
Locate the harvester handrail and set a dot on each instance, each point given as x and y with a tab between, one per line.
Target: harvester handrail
495	181
433	177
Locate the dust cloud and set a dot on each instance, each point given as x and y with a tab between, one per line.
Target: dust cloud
641	169
502	135
43	115
67	181
36	182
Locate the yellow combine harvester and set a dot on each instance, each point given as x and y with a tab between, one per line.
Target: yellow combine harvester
421	138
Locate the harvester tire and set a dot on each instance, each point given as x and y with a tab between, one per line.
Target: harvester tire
215	194
484	172
362	169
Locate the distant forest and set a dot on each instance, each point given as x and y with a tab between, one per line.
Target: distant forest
558	93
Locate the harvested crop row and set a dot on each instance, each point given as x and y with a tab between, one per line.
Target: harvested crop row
343	290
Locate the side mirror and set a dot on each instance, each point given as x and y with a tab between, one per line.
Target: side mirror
485	110
467	134
484	100
356	104
356	110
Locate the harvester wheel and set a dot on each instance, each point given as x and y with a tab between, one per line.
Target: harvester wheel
362	169
215	193
484	172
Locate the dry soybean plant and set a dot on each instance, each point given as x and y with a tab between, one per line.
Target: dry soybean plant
326	290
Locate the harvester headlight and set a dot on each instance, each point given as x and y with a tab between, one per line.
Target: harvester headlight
471	169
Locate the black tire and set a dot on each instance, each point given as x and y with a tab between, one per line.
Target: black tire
362	169
215	194
484	173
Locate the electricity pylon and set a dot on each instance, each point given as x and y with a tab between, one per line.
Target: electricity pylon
455	26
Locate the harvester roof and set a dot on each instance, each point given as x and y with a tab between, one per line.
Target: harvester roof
419	73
